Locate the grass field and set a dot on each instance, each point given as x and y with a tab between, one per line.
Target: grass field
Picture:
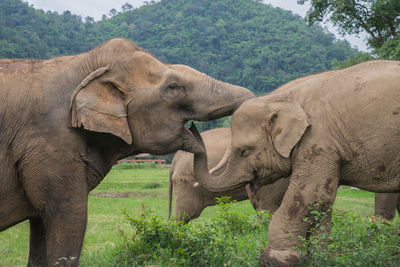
133	190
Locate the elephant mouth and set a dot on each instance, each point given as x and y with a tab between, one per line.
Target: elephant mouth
190	140
252	182
186	129
255	176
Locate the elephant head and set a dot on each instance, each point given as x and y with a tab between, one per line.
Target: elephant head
190	199
264	133
145	102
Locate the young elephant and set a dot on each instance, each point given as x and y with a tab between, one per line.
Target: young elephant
65	121
191	199
386	205
337	127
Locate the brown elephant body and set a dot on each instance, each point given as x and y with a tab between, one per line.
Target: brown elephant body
323	130
190	198
65	121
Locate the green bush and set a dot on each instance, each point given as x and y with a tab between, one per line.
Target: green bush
354	241
125	165
156	241
140	165
230	221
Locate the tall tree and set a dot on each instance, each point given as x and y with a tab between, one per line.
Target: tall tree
127	7
379	18
112	12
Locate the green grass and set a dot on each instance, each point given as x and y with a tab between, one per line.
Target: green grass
353	200
136	190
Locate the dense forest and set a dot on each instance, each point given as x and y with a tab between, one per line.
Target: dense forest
243	42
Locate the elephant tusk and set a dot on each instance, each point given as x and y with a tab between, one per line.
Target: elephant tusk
196	184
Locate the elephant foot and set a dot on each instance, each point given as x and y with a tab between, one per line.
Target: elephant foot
278	257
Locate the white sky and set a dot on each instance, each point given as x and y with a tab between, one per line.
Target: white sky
96	8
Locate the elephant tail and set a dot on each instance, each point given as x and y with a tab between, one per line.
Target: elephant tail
170	189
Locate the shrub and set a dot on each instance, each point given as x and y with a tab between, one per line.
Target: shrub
125	165
138	165
156	240
354	241
230	221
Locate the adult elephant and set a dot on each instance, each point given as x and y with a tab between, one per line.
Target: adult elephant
337	127
65	121
386	205
190	198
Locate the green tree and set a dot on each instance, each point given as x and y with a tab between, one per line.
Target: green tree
380	19
112	12
127	7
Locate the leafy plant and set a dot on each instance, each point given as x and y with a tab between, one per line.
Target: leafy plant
157	240
354	241
228	220
153	240
358	58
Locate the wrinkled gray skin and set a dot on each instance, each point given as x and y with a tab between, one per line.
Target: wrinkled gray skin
386	205
190	198
65	121
337	127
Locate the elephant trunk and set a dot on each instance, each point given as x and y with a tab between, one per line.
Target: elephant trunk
224	98
230	178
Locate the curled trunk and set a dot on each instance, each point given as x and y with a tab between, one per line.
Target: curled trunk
230	178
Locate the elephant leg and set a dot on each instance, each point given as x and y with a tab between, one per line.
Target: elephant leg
65	231
37	243
60	194
385	205
398	203
313	186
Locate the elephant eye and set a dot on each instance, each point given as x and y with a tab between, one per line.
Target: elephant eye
244	152
174	86
173	93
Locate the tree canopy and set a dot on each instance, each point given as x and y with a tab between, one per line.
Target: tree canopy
239	41
380	19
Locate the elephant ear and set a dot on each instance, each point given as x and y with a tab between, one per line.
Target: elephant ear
286	125
98	106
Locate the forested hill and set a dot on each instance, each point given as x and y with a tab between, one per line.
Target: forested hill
243	42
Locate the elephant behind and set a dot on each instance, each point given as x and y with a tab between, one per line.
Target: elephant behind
65	121
190	198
